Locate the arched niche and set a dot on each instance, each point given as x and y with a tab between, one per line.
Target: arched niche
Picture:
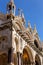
3	59
37	60
36	43
27	57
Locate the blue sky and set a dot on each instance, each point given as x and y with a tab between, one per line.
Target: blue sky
33	11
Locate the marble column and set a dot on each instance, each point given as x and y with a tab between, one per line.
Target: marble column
19	58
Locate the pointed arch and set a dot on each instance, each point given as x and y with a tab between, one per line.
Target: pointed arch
36	43
27	56
37	60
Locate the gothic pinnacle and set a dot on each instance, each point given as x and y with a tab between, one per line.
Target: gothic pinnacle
29	25
11	1
35	30
11	7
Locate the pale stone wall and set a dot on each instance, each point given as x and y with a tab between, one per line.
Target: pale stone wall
21	45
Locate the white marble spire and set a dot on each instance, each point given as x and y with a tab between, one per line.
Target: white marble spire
35	30
23	15
19	11
11	0
29	25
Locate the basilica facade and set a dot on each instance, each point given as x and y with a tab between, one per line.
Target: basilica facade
18	45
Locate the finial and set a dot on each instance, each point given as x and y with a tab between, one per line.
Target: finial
23	18
19	11
35	30
22	15
29	26
11	1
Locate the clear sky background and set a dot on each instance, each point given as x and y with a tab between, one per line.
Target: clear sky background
33	11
